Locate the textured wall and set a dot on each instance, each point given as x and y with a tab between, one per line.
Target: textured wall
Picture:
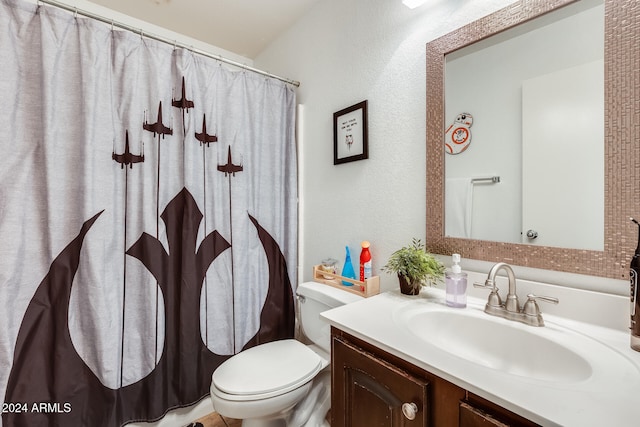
345	51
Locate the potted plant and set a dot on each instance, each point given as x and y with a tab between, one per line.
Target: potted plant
415	267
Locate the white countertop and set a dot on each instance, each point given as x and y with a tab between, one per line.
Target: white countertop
610	397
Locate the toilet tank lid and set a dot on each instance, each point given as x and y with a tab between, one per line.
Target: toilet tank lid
268	369
329	295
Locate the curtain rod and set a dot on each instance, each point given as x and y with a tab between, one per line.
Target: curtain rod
175	43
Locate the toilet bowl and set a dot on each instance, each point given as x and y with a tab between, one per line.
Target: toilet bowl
283	383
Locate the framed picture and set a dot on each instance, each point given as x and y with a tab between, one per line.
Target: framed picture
350	134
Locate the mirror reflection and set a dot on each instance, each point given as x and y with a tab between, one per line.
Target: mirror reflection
524	133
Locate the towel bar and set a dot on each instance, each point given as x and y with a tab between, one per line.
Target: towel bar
489	179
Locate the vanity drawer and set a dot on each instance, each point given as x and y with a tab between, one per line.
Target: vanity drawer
474	417
478	412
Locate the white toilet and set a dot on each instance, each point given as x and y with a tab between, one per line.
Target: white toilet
283	383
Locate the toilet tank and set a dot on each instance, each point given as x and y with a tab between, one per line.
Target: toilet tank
314	298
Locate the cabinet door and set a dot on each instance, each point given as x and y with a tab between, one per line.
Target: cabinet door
370	392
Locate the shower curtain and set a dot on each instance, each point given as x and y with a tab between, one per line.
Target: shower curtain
147	220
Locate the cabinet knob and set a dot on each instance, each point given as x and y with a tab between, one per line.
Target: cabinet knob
410	410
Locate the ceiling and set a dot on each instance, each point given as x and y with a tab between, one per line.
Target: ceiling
244	27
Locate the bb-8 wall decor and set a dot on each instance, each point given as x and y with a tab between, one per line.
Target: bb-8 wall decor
458	135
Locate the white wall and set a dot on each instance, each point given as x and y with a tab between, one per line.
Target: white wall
343	52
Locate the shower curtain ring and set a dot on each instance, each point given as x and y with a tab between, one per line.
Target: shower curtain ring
75	13
112	25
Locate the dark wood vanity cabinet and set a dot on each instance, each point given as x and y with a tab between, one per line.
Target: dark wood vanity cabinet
369	388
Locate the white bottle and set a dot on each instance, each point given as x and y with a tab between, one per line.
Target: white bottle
456	284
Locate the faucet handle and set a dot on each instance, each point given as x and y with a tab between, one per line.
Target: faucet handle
494	298
487	284
531	307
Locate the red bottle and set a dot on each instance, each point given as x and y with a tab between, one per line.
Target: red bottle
365	262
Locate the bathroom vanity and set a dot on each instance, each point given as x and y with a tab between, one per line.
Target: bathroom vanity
396	357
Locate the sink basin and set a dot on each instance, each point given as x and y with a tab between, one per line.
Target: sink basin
496	344
545	354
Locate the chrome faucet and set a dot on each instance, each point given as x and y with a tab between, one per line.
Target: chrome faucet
528	314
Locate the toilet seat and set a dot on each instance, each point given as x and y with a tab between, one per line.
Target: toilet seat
266	370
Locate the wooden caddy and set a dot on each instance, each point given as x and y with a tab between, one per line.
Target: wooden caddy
368	288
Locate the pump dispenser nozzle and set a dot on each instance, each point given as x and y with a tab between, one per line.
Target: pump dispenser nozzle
455	258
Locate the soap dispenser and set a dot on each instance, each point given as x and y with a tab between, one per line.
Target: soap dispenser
456	284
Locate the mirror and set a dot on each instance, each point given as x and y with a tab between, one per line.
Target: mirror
609	257
536	99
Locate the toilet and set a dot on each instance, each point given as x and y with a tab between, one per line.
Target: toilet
284	383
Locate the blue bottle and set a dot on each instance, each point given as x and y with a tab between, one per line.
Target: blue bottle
347	269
